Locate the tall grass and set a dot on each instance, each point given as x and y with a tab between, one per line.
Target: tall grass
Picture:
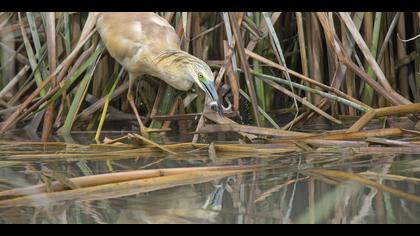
344	54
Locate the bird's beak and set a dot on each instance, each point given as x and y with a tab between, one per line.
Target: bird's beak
208	87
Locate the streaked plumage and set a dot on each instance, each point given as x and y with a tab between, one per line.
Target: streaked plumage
136	39
145	43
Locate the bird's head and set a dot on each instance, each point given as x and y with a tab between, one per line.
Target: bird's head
202	75
195	70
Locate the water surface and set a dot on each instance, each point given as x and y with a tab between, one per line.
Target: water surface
286	193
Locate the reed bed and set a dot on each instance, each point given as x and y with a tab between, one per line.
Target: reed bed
353	73
56	75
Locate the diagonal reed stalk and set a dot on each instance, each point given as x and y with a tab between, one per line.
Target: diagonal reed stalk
105	108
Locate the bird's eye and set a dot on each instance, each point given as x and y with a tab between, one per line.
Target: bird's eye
200	76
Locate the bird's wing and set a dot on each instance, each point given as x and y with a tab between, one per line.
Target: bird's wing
142	35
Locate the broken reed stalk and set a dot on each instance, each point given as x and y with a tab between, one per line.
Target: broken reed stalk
294	136
358	135
251	130
386	111
101	179
150	142
120	189
224	120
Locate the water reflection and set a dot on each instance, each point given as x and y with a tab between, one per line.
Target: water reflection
287	193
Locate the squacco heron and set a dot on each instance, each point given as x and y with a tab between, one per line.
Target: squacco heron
145	43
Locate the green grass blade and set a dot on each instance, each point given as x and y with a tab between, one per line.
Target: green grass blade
165	105
78	72
105	109
259	85
40	49
280	52
32	60
367	96
78	100
67	83
67	34
34	32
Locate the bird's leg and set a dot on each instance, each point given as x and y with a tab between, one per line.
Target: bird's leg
130	97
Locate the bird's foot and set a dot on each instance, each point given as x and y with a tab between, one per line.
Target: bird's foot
130	97
143	129
144	132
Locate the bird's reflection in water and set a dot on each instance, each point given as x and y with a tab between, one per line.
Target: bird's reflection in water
180	205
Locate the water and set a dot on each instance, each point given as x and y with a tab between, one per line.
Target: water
287	193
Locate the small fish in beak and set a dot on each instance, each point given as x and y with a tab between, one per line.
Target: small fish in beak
214	97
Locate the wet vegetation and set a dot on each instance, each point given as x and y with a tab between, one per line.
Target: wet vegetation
323	127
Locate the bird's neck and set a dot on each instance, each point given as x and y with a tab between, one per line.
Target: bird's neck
172	67
173	57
